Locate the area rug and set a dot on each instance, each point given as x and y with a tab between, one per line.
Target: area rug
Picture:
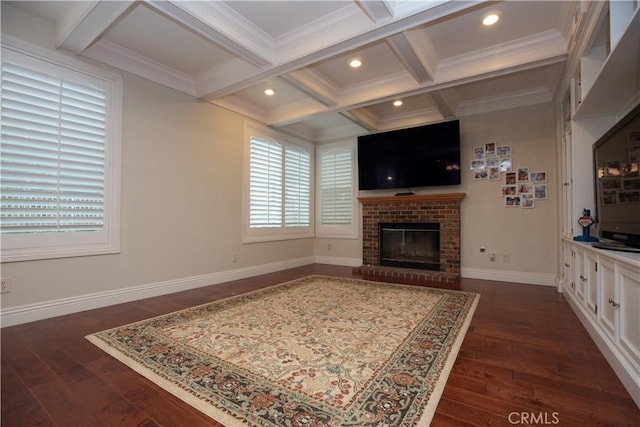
317	351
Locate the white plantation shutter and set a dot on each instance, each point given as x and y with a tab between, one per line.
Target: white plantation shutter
297	187
53	144
336	187
278	199
59	155
265	184
336	206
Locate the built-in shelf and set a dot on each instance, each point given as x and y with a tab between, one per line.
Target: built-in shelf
614	88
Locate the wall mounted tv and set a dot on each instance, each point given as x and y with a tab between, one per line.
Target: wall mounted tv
617	160
422	156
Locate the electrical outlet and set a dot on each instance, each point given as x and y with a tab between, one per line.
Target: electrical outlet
329	247
506	258
5	287
234	257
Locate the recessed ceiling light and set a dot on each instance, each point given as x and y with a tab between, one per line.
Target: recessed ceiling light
355	63
269	92
490	19
397	103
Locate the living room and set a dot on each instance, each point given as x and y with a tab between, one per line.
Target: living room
177	146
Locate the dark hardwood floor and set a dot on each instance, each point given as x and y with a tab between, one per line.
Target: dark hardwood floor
525	357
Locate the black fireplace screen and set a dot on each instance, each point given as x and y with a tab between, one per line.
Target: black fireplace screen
410	245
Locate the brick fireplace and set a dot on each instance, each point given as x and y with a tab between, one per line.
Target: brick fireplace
443	209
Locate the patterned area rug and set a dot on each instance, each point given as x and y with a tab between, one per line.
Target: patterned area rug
318	351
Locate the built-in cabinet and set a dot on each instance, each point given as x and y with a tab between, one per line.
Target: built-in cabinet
601	86
603	288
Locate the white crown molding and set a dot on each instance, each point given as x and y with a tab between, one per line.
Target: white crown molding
414	118
338	133
549	45
523	98
241	106
116	56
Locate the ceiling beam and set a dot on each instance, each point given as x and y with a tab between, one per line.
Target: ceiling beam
313	85
409	58
221	25
444	103
362	119
85	22
376	10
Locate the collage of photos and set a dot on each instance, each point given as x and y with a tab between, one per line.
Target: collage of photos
620	180
521	187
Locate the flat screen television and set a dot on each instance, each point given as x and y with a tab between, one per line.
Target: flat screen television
616	160
423	156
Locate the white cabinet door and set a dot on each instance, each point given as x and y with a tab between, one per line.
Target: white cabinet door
606	309
629	320
567	260
578	275
591	282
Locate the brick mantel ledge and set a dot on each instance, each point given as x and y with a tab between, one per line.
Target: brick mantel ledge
441	197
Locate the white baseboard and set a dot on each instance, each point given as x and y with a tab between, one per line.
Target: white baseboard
509	276
59	307
334	260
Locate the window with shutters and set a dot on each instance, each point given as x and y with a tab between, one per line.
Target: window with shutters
279	187
336	212
59	150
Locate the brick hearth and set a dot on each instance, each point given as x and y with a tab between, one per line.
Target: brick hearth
438	208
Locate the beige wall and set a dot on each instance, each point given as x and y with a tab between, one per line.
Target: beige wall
528	236
182	175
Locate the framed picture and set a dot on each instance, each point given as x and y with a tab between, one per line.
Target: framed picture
505	164
611	184
492	161
630	169
494	174
526	188
630	184
509	190
627	197
527	201
490	149
609	197
503	150
540	191
476	164
512	201
480	174
478	153
537	177
523	174
612	168
510	178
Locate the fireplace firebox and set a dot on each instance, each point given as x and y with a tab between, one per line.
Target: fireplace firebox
410	245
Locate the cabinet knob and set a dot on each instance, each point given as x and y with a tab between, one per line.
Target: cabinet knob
613	303
567	265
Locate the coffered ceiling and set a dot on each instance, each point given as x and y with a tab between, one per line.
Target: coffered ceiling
435	56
